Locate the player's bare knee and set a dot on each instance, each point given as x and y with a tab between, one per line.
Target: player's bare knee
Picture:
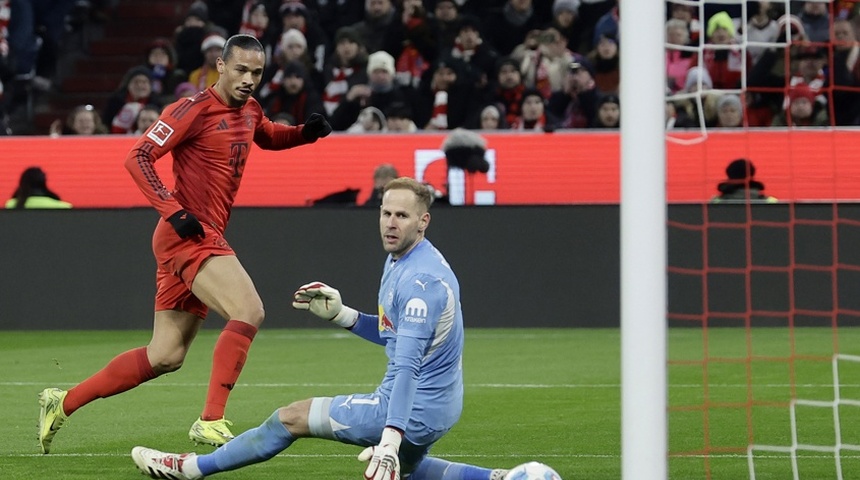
295	417
252	314
167	363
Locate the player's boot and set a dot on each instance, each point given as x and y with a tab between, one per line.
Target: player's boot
162	465
51	416
215	432
498	474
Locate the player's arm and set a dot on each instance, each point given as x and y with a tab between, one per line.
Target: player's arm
159	139
275	136
325	302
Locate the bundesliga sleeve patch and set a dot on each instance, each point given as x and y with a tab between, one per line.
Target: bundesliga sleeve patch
159	133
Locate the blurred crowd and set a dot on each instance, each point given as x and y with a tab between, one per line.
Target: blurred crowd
413	65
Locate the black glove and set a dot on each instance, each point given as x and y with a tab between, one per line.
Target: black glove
186	224
315	127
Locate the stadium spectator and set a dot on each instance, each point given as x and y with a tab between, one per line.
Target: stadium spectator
479	56
576	104
689	15
508	89
295	16
190	34
346	67
761	27
410	41
740	186
398	117
370	120
767	80
445	24
509	27
589	13
380	92
183	90
256	22
379	16
816	21
606	25
608	112
677	117
802	110
292	47
606	61
33	192
491	119
126	102
292	94
207	74
677	61
447	95
160	59
197	269
82	120
846	73
730	112
145	118
382	175
545	60
421	396
699	80
564	20
725	65
533	114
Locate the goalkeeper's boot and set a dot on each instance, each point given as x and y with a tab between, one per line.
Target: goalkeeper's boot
51	416
498	474
215	432
162	465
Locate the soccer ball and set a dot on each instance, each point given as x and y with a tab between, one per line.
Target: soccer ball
532	471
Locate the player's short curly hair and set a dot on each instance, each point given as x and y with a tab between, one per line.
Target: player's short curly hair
425	196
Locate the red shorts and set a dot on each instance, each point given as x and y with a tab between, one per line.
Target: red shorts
178	262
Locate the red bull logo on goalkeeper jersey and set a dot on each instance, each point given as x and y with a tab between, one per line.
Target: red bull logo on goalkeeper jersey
384	322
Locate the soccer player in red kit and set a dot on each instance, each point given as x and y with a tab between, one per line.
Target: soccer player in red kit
209	136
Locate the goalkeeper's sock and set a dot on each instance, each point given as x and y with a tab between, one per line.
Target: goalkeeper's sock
126	371
252	446
432	468
228	358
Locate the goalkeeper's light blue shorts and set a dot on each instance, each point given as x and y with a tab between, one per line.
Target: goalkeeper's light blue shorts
358	419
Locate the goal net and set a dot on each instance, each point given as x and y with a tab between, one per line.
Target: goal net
764	293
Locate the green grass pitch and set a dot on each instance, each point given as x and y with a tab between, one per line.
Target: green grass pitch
535	394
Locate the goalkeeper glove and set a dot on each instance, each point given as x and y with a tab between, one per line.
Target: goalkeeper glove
324	302
186	224
315	127
384	462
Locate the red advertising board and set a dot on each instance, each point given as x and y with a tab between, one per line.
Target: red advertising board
552	168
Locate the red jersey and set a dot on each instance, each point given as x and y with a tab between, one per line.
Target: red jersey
210	142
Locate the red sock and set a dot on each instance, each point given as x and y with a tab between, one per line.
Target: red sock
228	358
126	371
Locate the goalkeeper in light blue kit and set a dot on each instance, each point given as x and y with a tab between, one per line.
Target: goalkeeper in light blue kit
421	396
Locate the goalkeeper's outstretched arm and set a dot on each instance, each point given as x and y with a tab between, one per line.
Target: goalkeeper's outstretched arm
325	302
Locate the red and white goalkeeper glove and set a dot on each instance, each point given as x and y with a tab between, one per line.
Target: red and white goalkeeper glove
384	462
324	302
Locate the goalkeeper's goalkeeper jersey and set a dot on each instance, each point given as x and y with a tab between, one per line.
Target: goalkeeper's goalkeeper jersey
421	322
